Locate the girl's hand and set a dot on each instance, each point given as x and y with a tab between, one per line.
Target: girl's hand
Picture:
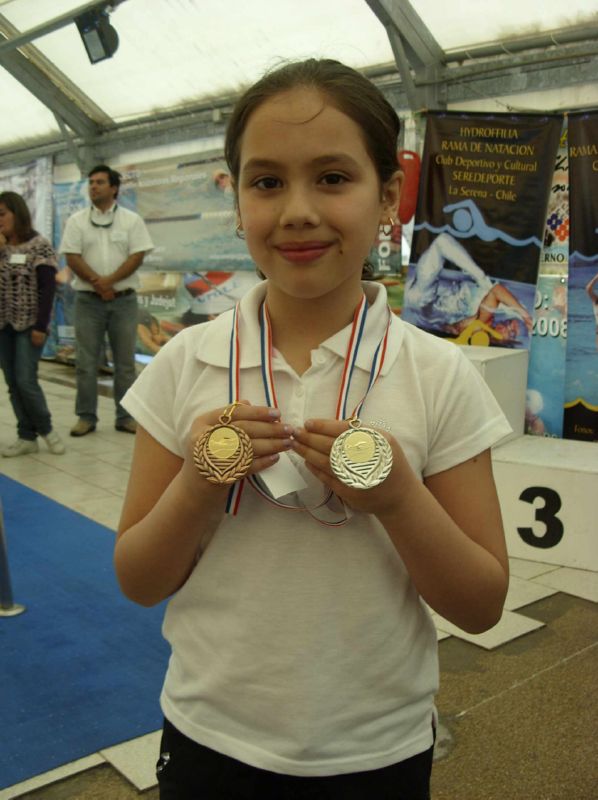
38	338
262	424
314	442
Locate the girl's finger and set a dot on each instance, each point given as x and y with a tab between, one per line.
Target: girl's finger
320	459
262	463
240	414
265	430
262	448
244	411
326	427
313	441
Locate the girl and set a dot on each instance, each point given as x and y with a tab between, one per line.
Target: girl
304	658
27	284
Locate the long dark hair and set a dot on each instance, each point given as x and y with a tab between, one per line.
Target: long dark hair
23	226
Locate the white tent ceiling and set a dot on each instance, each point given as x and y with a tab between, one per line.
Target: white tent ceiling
175	54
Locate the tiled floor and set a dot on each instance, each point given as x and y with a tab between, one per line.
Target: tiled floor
91	478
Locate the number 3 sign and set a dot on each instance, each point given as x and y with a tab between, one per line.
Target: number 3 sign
547	515
547	490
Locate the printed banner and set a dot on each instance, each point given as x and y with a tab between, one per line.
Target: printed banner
188	207
554	259
581	387
33	181
546	371
198	268
480	218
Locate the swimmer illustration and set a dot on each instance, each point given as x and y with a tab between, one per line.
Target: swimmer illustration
359	447
225	444
222	181
468	222
452	299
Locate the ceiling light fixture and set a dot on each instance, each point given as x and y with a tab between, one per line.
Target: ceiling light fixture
98	35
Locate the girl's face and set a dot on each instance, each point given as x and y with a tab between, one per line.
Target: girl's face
7	223
309	197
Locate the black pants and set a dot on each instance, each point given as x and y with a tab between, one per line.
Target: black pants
189	771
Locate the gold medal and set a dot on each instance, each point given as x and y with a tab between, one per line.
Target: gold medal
361	457
223	453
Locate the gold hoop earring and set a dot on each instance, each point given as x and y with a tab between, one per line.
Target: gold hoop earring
239	231
386	227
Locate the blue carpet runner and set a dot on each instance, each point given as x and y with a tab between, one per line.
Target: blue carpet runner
82	668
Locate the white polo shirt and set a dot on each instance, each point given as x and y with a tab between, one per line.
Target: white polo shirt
105	248
299	648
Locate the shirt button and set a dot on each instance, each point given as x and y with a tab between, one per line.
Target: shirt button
300	391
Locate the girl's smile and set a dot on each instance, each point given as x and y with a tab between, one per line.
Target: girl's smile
303	252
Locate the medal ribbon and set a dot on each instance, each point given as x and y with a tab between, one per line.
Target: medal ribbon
266	350
234	382
376	368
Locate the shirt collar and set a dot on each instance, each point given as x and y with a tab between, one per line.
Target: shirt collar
215	344
98	211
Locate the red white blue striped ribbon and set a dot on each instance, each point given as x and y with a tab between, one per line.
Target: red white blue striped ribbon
376	368
234	384
266	351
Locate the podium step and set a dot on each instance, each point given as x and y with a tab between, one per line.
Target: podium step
548	490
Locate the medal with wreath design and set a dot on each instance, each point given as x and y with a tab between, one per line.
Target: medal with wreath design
223	453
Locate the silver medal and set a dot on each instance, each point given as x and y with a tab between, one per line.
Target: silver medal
361	457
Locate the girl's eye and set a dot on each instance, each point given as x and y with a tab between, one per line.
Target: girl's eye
266	183
334	179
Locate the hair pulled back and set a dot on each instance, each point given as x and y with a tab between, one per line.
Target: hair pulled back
347	89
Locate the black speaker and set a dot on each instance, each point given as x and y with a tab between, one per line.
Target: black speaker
99	37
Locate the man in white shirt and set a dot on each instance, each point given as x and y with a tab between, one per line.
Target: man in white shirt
104	246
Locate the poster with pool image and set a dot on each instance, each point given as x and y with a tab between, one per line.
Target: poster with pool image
546	371
188	207
481	212
581	387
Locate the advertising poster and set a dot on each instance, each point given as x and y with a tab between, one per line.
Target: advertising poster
33	181
60	344
546	371
171	301
188	207
554	259
386	257
581	386
198	267
481	212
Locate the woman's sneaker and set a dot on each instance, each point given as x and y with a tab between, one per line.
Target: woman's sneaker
55	443
21	447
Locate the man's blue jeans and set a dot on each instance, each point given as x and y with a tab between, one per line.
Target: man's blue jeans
19	359
94	318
